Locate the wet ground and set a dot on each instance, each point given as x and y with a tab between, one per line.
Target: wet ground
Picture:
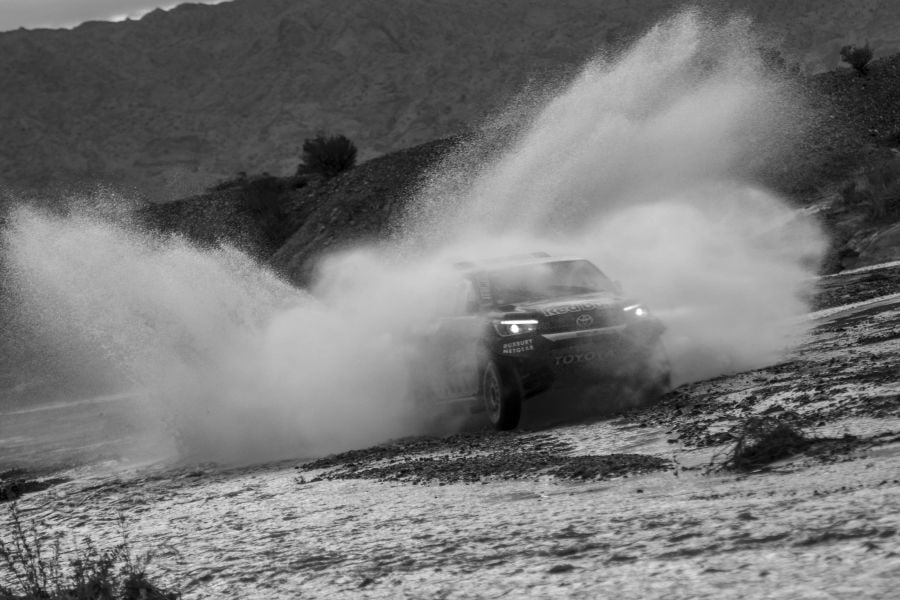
637	506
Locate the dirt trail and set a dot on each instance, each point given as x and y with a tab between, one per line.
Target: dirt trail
628	507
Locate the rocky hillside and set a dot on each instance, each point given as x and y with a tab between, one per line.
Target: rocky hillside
178	100
849	167
261	214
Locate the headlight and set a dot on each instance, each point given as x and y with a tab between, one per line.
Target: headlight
638	310
515	327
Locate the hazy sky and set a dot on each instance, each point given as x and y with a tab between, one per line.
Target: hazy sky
68	13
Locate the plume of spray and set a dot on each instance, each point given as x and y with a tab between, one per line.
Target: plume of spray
644	163
640	163
235	363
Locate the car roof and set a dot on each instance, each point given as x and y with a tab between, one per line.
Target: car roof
501	262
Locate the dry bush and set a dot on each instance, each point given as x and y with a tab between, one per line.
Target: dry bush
857	57
762	440
35	570
327	155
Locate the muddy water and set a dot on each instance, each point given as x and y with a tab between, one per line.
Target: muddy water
643	513
89	435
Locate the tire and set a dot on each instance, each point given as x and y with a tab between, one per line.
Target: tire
501	394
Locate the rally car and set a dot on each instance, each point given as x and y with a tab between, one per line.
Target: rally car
520	326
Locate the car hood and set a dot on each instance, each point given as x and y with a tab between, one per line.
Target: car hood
569	305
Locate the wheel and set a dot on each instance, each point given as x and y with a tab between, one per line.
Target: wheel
502	395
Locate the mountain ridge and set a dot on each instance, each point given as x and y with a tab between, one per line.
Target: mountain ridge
171	103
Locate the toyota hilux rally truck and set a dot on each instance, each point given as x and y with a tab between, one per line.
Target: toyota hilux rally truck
523	325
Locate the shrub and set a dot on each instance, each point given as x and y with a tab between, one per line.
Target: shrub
858	58
762	440
37	573
327	155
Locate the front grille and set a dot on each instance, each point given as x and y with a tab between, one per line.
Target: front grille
602	317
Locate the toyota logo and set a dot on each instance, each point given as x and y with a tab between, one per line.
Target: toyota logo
584	321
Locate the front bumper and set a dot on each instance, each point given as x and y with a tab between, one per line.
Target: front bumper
584	357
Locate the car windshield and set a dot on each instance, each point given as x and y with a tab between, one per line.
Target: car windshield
545	281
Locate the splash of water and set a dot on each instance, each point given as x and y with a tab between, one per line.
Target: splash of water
640	164
643	164
689	103
237	364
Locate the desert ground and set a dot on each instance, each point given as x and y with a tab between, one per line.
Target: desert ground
648	503
184	278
